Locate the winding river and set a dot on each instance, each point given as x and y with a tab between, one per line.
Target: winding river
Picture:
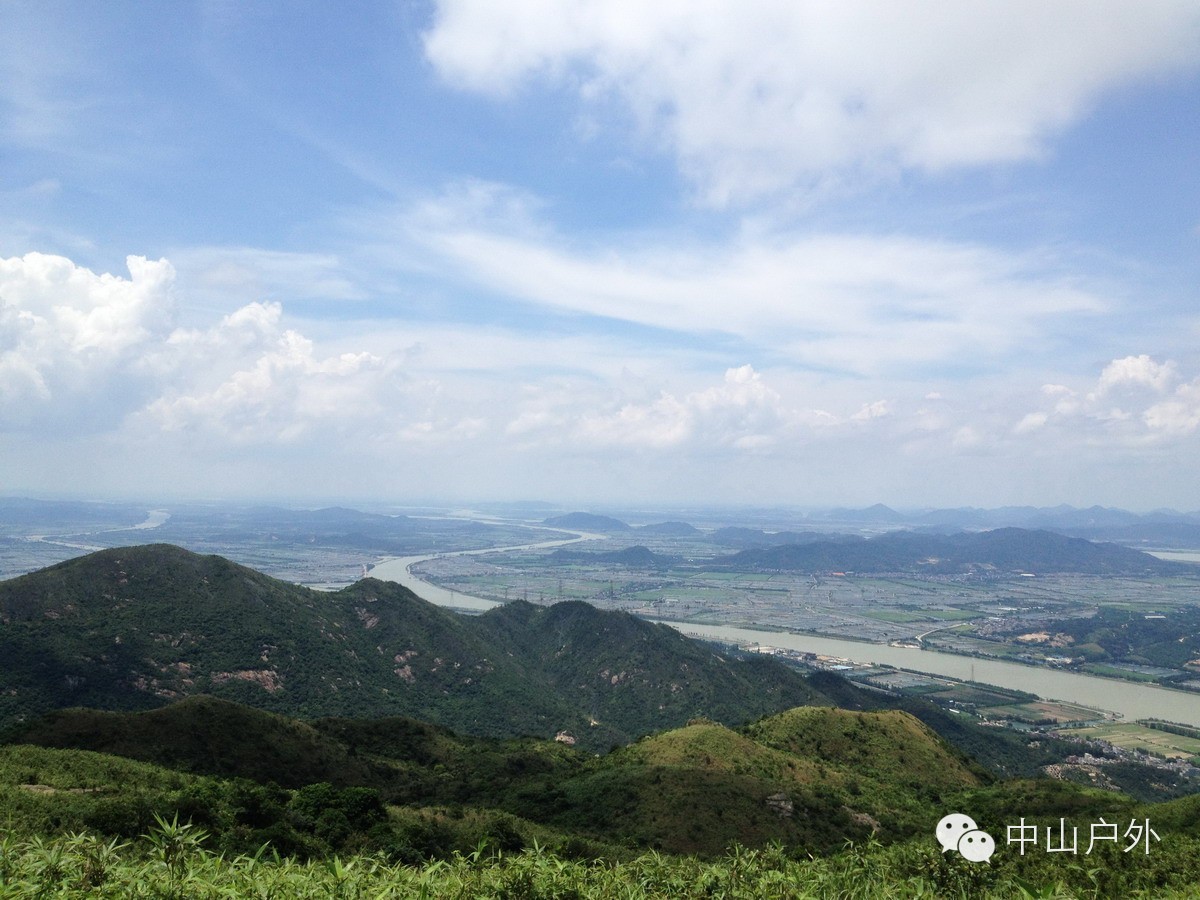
399	570
1132	701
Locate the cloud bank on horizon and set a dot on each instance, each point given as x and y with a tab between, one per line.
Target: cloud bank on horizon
793	252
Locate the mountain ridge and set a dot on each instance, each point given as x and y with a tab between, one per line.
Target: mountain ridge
136	627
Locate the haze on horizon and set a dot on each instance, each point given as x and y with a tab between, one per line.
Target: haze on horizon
778	252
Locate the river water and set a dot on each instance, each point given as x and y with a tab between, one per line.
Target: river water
398	569
1133	701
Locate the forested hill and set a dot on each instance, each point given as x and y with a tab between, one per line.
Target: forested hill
137	627
1004	550
810	776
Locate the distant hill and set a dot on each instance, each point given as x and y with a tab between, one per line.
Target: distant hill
137	627
1001	550
670	529
1093	521
872	515
587	522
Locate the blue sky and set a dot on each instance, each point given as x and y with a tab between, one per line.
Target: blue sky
602	253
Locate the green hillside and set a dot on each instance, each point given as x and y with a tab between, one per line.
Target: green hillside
887	745
701	787
138	627
762	811
208	736
695	789
617	668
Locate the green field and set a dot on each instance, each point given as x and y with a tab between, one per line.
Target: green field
1041	711
1131	736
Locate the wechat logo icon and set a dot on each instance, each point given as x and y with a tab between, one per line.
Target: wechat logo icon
959	832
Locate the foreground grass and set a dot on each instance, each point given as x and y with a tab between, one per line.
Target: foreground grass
171	863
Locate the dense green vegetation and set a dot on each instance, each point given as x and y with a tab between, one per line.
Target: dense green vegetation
810	777
137	627
173	862
699	811
53	792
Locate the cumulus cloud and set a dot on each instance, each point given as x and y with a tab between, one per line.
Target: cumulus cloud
81	351
69	335
1134	399
777	94
1135	372
279	390
664	422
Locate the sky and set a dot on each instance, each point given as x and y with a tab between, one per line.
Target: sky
791	252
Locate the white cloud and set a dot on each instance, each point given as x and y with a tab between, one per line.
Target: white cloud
856	303
251	380
283	392
777	94
740	413
1178	415
68	335
665	422
1134	400
1136	372
86	352
256	386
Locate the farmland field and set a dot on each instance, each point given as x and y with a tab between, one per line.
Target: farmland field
1133	736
